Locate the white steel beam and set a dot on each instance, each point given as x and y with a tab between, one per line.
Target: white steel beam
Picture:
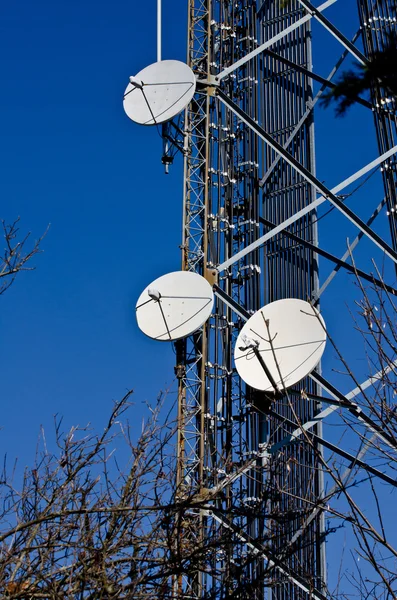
308	176
263	239
335	32
349	251
253	546
158	30
269	43
306	114
330	409
343	402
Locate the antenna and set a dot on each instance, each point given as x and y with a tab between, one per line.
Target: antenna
280	344
159	92
174	306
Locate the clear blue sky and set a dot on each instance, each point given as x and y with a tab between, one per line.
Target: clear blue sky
70	157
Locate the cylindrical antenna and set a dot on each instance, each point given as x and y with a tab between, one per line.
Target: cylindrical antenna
158	30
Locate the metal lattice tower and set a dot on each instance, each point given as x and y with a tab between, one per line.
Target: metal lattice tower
227	206
255	466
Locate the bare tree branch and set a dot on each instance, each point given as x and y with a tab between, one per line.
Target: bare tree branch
16	254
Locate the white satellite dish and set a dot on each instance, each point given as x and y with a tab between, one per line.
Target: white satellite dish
174	305
159	92
298	336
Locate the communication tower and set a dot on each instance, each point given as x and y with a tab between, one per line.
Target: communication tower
250	405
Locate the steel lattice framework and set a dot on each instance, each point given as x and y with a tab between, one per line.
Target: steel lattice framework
243	131
378	23
227	206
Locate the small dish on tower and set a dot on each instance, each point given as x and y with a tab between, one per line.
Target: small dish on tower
280	345
159	92
174	305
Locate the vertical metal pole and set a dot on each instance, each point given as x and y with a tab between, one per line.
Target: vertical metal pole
158	30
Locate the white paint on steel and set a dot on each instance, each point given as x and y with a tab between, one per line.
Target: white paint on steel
167	88
260	552
184	303
298	337
349	252
311	179
304	211
375	379
270	42
356	53
158	30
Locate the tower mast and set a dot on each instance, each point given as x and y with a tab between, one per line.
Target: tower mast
224	427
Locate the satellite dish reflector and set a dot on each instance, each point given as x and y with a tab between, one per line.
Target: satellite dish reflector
159	92
174	305
298	335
